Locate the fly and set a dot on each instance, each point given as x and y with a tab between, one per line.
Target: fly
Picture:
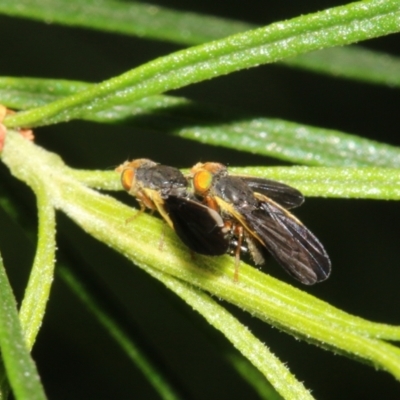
255	211
164	189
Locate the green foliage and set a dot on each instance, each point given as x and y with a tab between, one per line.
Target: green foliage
336	164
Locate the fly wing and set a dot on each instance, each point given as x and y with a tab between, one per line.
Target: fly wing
286	196
198	226
295	248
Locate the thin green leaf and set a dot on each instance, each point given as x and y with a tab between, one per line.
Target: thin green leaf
333	27
356	183
132	350
26	93
263	388
255	351
150	21
366	183
38	290
295	142
263	296
277	138
352	62
20	368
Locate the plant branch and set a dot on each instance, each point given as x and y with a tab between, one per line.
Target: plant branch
263	296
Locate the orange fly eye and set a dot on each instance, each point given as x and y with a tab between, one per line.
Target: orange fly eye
202	181
127	177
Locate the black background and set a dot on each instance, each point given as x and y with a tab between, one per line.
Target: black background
75	356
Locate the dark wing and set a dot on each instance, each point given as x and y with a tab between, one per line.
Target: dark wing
286	196
295	248
199	227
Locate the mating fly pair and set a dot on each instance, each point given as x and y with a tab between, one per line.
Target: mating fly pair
213	212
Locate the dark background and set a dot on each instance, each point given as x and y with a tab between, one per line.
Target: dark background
75	356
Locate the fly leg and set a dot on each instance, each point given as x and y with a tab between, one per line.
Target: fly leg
134	216
239	233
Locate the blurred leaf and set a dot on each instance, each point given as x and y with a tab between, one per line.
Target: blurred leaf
133	18
110	324
264	389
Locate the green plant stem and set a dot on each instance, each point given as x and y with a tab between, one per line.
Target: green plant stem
263	296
